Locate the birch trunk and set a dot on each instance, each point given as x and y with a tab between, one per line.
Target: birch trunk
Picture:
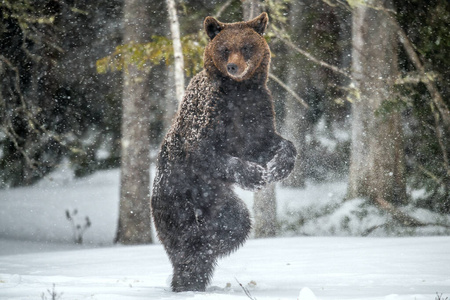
177	49
377	156
134	213
251	9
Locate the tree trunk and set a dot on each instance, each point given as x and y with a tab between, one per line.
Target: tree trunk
251	9
177	49
265	210
264	201
377	155
295	124
134	214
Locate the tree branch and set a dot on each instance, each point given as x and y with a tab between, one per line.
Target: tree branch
440	139
431	175
33	122
414	57
222	8
289	90
12	135
314	59
399	216
416	78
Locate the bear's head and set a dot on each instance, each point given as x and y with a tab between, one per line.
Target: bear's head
237	50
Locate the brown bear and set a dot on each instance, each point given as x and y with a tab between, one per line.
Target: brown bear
223	134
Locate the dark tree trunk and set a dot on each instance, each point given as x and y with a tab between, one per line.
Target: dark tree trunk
377	156
134	214
295	124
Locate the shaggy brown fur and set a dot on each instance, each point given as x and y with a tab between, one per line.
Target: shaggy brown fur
224	134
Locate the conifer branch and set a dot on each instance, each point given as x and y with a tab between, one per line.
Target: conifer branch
415	59
401	217
412	54
33	123
440	139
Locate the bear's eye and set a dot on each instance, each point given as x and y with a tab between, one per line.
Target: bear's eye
225	52
246	49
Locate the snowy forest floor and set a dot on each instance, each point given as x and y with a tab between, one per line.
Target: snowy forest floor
37	250
413	268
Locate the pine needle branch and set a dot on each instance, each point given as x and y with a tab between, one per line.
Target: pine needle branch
410	50
399	216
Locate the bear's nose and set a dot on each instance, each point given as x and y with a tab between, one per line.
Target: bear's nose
232	68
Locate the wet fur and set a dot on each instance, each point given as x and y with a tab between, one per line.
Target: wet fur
224	134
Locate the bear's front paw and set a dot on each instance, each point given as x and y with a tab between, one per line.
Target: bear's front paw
281	165
252	176
278	168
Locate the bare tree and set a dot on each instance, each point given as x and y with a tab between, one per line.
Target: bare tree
177	49
377	156
134	214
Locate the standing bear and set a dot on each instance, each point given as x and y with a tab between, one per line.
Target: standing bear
223	134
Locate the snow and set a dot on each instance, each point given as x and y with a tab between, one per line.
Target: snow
306	294
331	267
37	250
41	208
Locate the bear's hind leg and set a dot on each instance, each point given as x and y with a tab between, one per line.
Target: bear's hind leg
212	232
230	225
193	274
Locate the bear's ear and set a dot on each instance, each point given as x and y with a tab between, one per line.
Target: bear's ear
212	27
259	23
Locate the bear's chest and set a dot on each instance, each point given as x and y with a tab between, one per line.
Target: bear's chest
241	119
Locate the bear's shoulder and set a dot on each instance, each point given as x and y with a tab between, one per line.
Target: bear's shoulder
196	115
200	84
199	94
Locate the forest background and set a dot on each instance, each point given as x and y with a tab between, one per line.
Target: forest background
361	87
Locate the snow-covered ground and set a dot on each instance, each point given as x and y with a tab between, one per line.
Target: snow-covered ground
331	267
36	250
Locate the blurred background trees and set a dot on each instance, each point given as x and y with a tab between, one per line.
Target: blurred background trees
375	108
53	104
